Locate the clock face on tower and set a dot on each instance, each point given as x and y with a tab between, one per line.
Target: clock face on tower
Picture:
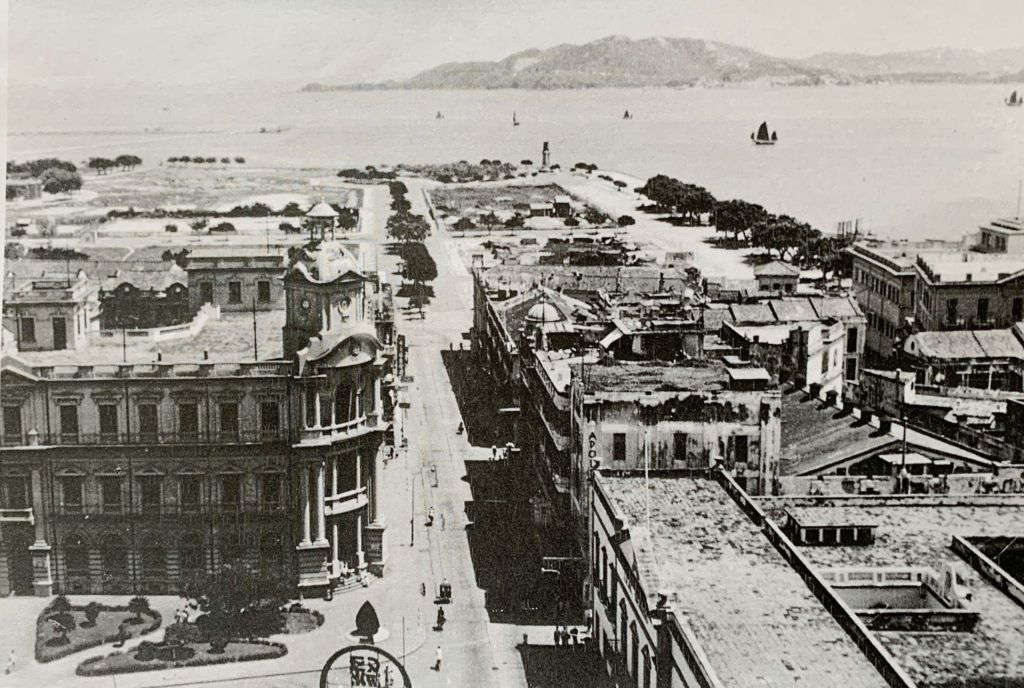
305	304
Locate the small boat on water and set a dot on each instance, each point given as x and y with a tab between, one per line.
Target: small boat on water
1015	100
438	115
626	115
762	137
515	122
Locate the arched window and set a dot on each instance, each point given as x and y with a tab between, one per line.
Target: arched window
271	549
232	549
634	653
646	681
154	563
190	554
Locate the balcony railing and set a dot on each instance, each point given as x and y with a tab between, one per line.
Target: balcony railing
255	436
346	502
328	433
163	510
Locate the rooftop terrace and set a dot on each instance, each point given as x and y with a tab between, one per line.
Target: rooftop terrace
918	532
229	339
753	615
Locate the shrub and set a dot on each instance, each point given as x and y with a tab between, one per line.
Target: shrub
92	612
626	221
65	619
184	632
171	228
60	604
138	606
572	222
218	646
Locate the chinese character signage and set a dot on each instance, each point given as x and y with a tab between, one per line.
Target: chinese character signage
363	666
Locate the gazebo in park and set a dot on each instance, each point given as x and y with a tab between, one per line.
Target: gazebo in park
321	218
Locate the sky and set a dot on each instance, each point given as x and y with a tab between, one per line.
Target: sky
296	41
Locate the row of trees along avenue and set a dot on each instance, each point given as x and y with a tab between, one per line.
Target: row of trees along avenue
410	231
747	224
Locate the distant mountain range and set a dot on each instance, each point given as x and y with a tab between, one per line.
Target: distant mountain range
621	62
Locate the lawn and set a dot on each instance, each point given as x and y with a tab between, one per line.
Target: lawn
191	655
50	646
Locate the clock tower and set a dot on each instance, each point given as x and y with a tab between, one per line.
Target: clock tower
324	292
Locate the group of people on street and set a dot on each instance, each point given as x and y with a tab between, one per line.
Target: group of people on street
565	637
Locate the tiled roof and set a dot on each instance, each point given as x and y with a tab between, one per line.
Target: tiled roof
752	614
965	344
836	307
911	535
793	310
776	268
814	434
753	313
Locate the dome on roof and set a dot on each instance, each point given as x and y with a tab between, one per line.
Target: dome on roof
543	312
321	209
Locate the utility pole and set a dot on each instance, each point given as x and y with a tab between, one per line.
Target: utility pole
255	342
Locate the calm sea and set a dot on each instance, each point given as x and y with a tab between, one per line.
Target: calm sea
910	160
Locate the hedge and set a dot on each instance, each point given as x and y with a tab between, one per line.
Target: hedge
72	648
274	650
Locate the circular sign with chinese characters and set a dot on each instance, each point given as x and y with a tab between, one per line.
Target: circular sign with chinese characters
363	665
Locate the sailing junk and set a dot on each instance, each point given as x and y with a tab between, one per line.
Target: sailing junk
1014	100
762	137
515	122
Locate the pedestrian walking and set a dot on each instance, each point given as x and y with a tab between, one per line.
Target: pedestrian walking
558	636
440	618
439	656
430	516
442	521
494	453
11	661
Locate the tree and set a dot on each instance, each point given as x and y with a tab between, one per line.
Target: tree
211	160
626	221
225	160
594	216
418	266
397	188
185	159
100	165
695	201
620	185
405	227
223	227
490	220
138	606
171	228
526	162
57	180
238	601
571	222
35	168
200	224
172	160
240	160
400	205
737	217
782	234
515	222
347	219
463	224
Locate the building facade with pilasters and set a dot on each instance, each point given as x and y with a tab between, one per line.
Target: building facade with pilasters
130	477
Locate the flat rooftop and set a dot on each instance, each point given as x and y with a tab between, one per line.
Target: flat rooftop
229	339
752	614
981	267
917	533
623	376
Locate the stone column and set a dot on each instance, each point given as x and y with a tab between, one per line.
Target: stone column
316	409
360	555
335	536
321	525
334	475
304	493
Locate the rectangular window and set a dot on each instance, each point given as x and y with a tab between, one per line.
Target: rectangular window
12	425
71	493
234	292
263	291
110	493
149	488
206	292
15	493
191	492
851	340
983	310
188	421
741	445
679	446
851	369
270	419
230	492
271	489
149	425
108	422
68	423
952	311
1017	309
229	420
28	330
619	446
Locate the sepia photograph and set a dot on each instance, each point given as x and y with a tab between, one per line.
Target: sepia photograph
512	344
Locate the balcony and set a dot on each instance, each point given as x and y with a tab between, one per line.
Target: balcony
346	502
158	511
328	434
255	436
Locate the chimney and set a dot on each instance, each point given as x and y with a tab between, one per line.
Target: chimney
865	416
206	354
831	397
159	356
884	423
815	389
